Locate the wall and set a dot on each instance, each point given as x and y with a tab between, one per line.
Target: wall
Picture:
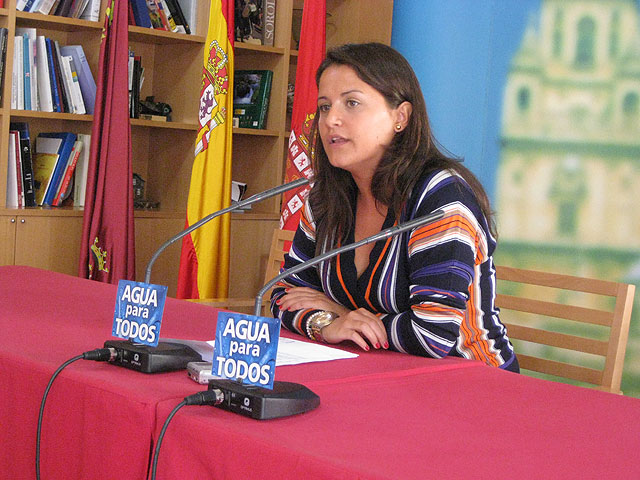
554	137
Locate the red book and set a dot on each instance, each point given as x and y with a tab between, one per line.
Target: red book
68	173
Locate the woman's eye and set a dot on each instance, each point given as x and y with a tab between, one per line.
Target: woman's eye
323	108
352	103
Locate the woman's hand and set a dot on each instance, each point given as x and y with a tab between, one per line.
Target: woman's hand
298	298
360	326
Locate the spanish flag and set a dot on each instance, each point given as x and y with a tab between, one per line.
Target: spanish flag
204	262
310	54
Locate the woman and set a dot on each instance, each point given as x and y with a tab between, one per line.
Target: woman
427	292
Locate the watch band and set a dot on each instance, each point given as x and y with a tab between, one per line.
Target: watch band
317	322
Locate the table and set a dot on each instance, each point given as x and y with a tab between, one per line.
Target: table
382	416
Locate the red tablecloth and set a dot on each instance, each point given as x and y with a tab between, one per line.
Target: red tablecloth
449	423
382	415
100	419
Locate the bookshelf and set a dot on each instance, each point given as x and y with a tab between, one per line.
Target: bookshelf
163	152
347	21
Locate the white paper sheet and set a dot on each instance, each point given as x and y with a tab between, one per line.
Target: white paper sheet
290	351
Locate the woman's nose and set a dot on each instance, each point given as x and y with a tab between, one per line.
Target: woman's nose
333	116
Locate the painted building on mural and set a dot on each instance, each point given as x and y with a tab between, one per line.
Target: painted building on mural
568	190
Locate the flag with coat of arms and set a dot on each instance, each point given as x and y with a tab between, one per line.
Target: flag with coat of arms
204	260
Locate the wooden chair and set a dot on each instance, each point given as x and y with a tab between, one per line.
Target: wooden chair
549	327
274	261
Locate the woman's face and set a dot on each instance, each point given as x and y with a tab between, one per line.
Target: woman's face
355	122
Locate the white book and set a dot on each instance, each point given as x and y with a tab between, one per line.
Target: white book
20	4
18	74
44	82
76	93
190	11
45	6
91	11
12	174
82	167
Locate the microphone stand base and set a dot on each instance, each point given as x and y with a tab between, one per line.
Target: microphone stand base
259	403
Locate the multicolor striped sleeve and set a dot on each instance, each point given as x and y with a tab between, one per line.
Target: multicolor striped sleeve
302	249
441	260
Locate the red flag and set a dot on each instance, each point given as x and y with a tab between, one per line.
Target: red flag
310	55
204	261
107	251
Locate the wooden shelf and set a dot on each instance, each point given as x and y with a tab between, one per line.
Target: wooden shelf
161	37
256	131
34	114
26	19
136	122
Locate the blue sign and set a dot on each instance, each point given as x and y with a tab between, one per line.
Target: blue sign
246	348
138	313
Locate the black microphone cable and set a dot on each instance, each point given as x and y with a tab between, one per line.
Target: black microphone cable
208	397
98	355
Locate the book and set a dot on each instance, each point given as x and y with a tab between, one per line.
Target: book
269	22
26	70
190	11
85	77
67	141
91	11
45	7
77	8
167	17
251	92
155	16
17	77
55	90
63	87
71	78
26	161
65	185
182	25
11	199
17	177
248	21
140	13
43	167
64	7
4	34
44	77
35	6
82	168
155	118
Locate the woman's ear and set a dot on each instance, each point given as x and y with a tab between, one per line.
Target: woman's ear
403	113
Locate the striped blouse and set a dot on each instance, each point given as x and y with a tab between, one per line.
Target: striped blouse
433	287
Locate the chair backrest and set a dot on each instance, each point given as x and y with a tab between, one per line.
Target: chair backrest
276	253
594	325
274	261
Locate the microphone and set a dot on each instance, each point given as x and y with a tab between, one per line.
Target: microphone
288	398
248	201
168	356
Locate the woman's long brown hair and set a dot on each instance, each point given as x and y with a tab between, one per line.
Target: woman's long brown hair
412	153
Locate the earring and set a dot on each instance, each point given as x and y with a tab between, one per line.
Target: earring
398	127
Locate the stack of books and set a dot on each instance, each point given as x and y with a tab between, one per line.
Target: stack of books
55	171
177	16
49	77
83	9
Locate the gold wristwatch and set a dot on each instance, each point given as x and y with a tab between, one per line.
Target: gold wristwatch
317	322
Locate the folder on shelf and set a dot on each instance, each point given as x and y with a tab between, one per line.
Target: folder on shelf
85	77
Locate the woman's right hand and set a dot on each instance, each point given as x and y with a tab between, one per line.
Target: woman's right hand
360	326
